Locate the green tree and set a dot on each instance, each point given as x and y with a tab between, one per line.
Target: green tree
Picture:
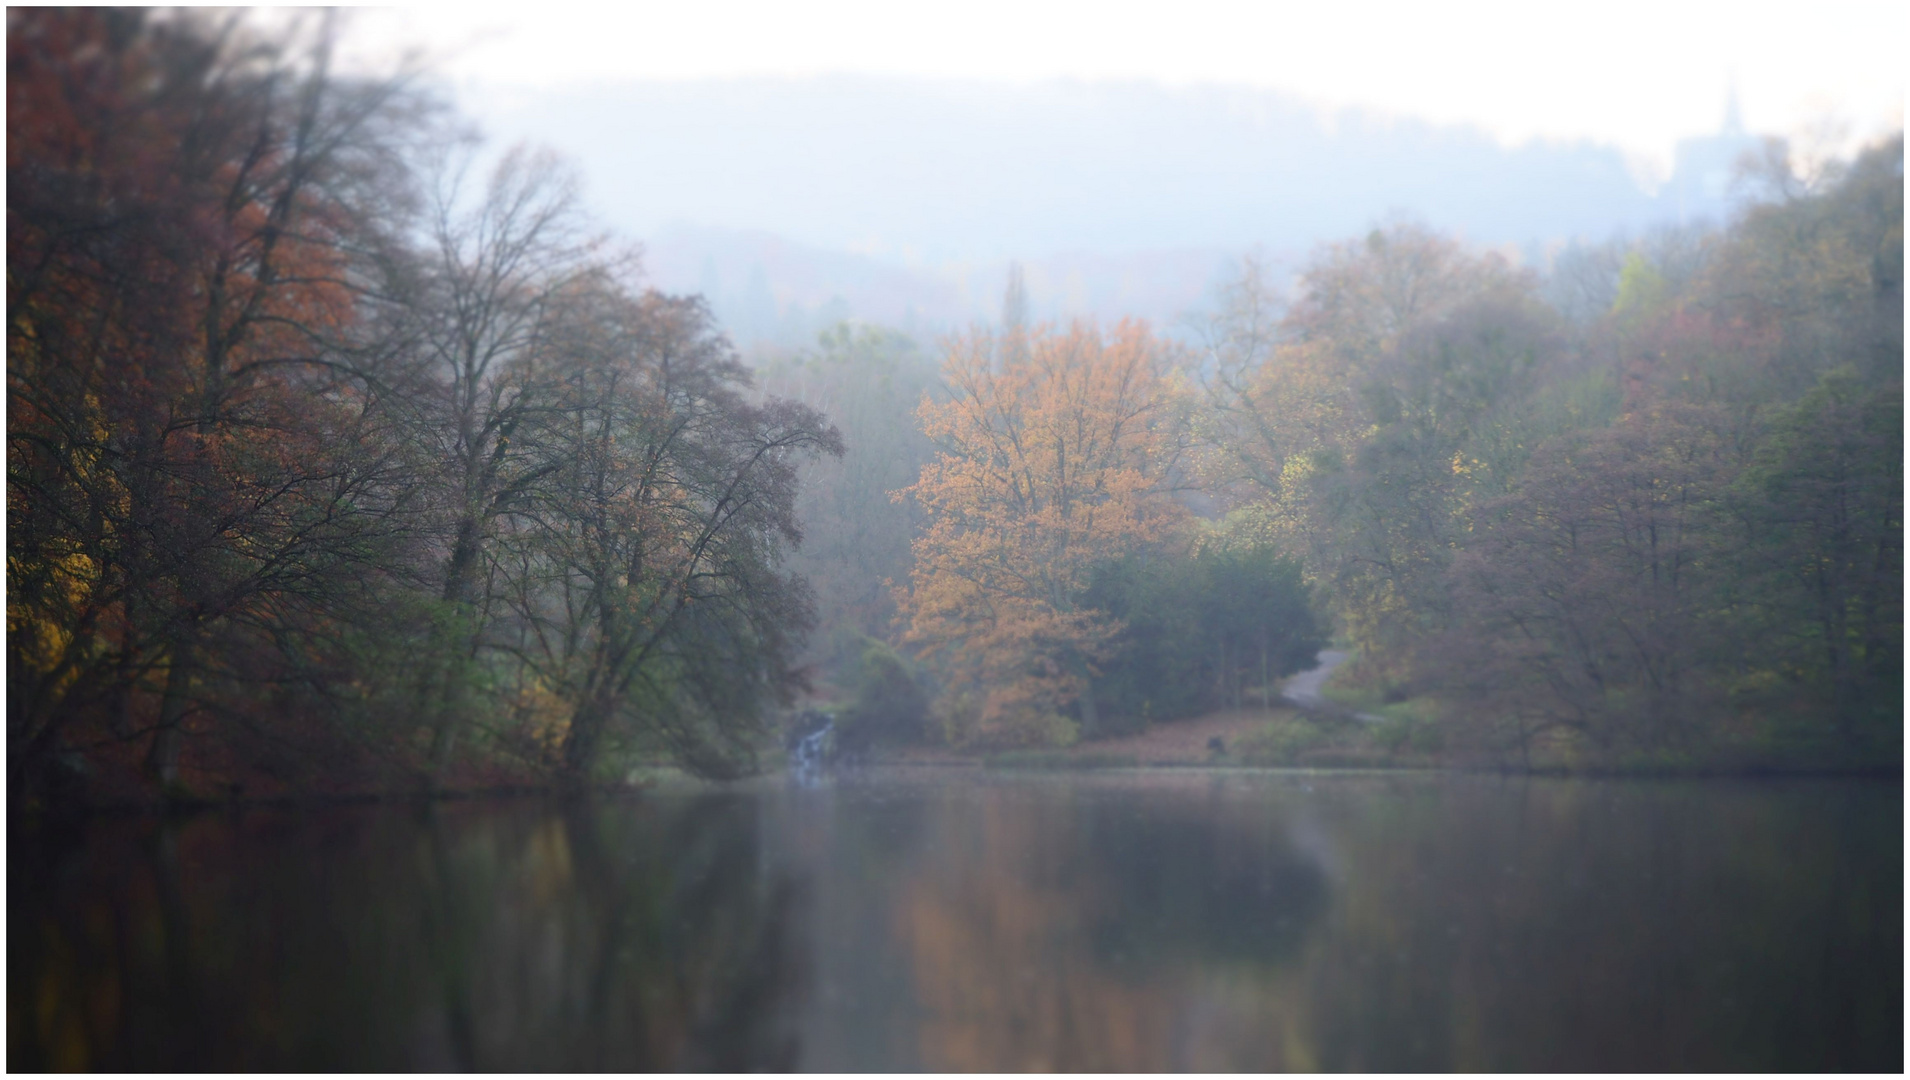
646	585
1202	625
1823	511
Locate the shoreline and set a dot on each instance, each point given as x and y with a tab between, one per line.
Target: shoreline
193	807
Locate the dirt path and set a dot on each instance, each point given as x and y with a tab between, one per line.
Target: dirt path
1304	688
1307	688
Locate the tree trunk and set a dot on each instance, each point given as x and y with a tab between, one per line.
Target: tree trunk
1090	714
162	758
580	742
449	707
445	698
460	571
1233	675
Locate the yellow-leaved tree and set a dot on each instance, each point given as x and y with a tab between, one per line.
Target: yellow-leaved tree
1056	453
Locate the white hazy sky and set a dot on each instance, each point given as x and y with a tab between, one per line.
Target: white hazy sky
1636	75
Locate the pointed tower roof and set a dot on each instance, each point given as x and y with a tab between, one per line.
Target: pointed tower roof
1733	119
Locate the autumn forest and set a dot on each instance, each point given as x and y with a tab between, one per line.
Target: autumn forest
347	453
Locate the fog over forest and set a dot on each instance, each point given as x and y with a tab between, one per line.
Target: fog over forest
791	202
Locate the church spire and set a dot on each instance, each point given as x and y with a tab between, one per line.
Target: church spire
1733	121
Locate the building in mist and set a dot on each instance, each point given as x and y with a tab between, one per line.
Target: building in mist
1706	169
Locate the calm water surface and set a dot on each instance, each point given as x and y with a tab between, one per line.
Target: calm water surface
958	920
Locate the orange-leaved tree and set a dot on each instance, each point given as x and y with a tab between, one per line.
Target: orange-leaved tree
1056	453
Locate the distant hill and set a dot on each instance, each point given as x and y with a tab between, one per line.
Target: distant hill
902	200
765	288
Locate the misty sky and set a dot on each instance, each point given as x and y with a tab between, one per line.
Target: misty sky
797	163
1636	75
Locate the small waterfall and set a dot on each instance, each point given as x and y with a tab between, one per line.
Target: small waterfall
809	753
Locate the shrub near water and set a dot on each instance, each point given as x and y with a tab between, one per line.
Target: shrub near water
1281	742
1409	734
1061	759
889	705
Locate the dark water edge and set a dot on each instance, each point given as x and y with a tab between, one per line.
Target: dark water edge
961	920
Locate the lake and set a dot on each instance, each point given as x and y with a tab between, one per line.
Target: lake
961	919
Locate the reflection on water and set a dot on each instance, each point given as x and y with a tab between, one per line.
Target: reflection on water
956	921
512	937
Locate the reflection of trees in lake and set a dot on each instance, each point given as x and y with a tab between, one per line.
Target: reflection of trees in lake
998	940
1132	921
619	937
1065	935
1470	925
1613	927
